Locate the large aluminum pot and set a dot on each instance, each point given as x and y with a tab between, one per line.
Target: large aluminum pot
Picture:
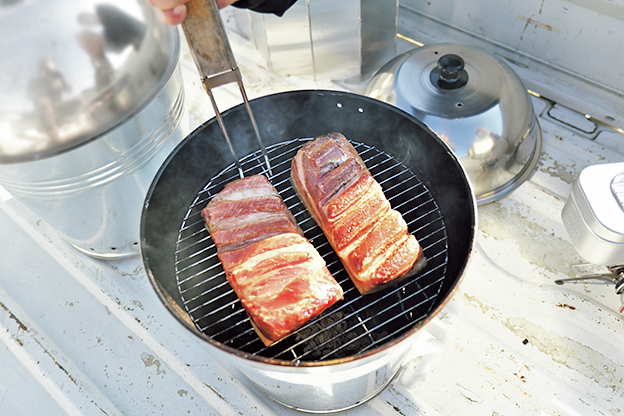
93	195
91	103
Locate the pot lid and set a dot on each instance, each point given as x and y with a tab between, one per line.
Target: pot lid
475	103
71	71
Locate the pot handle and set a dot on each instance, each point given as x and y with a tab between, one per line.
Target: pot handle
209	44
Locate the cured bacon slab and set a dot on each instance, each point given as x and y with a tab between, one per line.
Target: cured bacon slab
370	238
279	277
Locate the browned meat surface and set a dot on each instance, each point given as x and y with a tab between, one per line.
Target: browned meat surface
279	277
349	205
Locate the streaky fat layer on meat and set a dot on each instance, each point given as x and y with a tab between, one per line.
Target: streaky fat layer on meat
370	238
279	277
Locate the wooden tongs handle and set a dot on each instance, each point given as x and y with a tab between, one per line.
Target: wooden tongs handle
215	61
209	44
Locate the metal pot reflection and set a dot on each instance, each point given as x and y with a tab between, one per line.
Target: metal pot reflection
91	103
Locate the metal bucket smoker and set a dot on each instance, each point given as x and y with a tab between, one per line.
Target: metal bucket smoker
91	103
354	349
351	352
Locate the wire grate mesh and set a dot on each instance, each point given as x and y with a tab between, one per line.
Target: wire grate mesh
351	326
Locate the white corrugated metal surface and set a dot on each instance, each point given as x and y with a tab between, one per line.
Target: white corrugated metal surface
81	336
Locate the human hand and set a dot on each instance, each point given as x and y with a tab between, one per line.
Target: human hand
173	12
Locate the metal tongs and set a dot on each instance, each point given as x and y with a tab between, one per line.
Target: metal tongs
215	61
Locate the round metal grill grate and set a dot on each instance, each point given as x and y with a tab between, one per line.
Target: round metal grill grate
351	326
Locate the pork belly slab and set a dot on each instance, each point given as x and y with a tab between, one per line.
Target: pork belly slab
370	238
279	277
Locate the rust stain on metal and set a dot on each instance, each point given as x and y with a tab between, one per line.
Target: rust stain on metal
216	393
396	408
565	305
536	24
13	317
66	372
521	377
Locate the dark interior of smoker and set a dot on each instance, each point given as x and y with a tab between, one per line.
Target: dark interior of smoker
420	177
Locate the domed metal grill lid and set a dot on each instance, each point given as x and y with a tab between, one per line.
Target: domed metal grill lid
475	103
454	85
73	70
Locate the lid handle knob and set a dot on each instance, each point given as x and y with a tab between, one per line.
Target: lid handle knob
449	74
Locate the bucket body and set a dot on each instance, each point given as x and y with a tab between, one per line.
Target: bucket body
329	387
93	195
